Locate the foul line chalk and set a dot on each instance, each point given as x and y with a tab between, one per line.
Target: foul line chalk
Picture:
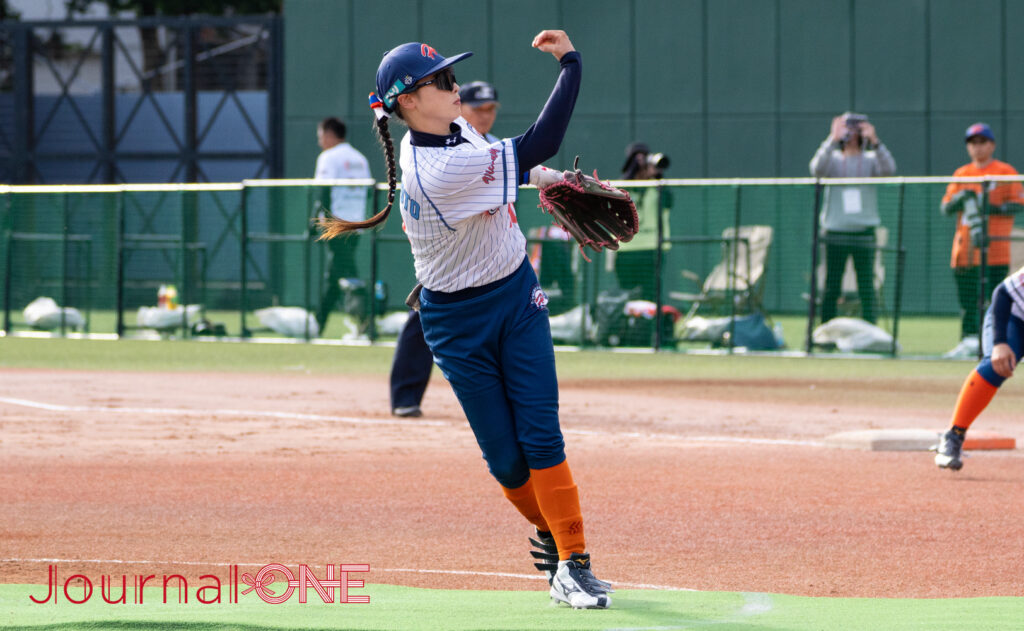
221	412
411	422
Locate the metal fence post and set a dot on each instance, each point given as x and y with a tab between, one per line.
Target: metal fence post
120	265
307	251
8	274
731	267
983	263
658	259
244	247
898	300
812	303
64	265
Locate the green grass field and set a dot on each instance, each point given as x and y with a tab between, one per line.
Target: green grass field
172	355
416	609
918	335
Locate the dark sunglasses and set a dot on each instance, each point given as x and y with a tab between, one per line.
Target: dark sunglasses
444	81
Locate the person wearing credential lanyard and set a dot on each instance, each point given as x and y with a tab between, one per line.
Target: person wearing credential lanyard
849	214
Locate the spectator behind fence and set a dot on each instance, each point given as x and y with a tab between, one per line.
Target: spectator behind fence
635	260
412	362
849	214
340	160
480	107
973	202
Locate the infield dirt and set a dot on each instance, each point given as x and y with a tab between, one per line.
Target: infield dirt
707	485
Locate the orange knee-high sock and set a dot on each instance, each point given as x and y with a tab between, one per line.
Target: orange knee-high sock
975	395
560	503
525	500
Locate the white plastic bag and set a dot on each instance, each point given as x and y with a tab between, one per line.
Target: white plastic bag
853	335
163	319
44	313
290	321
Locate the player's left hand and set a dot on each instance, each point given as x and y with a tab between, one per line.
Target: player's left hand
1004	361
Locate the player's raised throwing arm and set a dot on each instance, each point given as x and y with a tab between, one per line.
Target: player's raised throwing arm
542	140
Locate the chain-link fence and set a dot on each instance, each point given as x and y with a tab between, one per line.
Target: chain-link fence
717	264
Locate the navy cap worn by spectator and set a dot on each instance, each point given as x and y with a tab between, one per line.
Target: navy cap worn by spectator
477	93
979	129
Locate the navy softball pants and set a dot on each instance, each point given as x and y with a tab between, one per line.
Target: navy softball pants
493	344
411	365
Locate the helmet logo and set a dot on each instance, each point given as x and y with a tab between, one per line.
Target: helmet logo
427	51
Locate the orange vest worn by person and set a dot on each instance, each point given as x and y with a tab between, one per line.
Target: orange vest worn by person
965	254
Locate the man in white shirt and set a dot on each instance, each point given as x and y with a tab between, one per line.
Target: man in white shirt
340	160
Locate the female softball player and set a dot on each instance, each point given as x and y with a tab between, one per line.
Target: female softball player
1002	339
483	312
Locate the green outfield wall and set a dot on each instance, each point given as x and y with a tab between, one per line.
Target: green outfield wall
742	88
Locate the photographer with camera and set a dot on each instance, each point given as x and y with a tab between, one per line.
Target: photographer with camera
635	260
849	215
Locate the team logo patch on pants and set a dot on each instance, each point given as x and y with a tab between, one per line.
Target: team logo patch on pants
538	298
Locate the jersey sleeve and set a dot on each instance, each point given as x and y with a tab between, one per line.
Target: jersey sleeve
468	181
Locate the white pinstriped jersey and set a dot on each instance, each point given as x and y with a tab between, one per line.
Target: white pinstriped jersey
1014	284
457	210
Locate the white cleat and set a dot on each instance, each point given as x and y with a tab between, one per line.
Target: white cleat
575	585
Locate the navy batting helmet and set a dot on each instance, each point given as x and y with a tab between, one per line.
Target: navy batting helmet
405	65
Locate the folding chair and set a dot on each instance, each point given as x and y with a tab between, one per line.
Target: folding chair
740	274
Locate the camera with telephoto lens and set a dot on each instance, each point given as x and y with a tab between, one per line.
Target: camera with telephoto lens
657	161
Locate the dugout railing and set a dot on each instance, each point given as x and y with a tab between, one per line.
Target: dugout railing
243	246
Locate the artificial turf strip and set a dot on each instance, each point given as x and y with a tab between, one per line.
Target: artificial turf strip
413	609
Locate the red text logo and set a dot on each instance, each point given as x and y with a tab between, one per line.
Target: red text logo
489	171
210	588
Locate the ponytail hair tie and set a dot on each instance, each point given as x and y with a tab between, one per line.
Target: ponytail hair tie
377	106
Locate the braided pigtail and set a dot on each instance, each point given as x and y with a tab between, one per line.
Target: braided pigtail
333	226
